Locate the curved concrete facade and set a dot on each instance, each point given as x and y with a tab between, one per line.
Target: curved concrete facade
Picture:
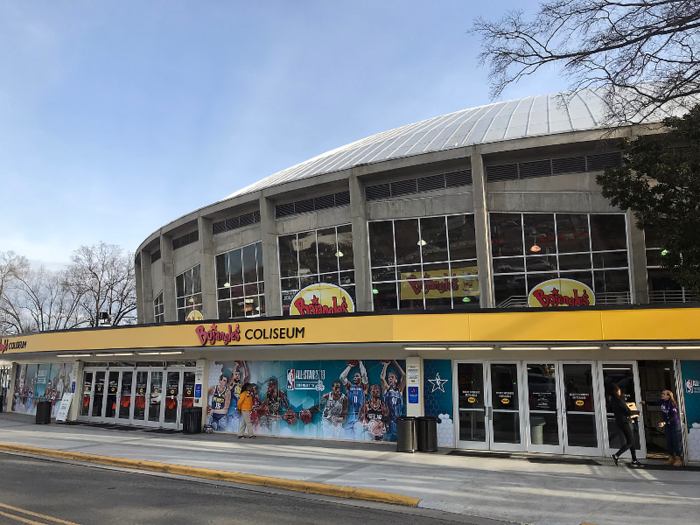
517	133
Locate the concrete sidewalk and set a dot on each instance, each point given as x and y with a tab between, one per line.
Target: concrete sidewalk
518	489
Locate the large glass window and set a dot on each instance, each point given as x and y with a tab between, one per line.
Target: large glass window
424	264
530	248
158	309
317	256
239	282
188	287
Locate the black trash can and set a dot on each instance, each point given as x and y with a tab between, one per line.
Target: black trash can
192	420
426	434
2	403
43	412
406	434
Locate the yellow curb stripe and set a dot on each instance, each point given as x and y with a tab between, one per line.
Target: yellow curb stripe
37	515
218	475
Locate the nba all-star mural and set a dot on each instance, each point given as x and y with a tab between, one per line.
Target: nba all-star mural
328	399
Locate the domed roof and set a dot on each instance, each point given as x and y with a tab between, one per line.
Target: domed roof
513	119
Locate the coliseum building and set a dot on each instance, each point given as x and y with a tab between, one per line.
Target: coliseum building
466	267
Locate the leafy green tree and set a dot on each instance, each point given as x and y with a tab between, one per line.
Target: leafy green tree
659	181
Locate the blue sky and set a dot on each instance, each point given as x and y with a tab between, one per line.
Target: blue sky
118	117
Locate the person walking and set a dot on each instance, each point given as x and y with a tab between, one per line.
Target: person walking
245	406
672	427
623	419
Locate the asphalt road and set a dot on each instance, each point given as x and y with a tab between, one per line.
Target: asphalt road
38	491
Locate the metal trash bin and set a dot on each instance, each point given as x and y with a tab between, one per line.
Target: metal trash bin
43	412
406	434
192	420
426	434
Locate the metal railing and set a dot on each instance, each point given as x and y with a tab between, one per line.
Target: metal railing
673	296
606	298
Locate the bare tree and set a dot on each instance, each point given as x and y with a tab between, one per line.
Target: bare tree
38	301
640	54
103	276
11	266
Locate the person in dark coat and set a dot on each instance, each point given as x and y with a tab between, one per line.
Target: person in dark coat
623	419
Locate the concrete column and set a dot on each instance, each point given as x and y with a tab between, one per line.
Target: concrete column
481	227
202	378
148	315
271	270
638	261
11	391
76	402
140	306
206	249
360	246
169	298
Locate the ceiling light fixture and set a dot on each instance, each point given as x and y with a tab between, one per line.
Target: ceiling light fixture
422	243
535	248
475	348
683	348
636	348
422	348
338	253
513	348
574	348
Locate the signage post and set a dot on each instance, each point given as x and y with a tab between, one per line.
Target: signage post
414	380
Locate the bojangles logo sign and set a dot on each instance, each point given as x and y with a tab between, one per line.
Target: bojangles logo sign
557	293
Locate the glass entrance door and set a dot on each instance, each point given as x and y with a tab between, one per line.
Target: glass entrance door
581	425
489	406
125	405
504	420
173	399
471	407
154	400
85	406
140	395
544	414
625	376
98	396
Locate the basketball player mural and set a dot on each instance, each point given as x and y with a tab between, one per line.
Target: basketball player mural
270	411
233	418
335	409
356	393
217	409
392	391
373	416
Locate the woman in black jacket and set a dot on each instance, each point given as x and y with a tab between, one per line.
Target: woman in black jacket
623	419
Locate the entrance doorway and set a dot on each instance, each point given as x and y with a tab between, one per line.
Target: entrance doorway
556	407
145	397
489	403
654	378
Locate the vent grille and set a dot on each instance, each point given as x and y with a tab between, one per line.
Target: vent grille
185	240
377	192
569	165
155	256
236	222
334	200
606	160
548	167
540	168
419	185
501	173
